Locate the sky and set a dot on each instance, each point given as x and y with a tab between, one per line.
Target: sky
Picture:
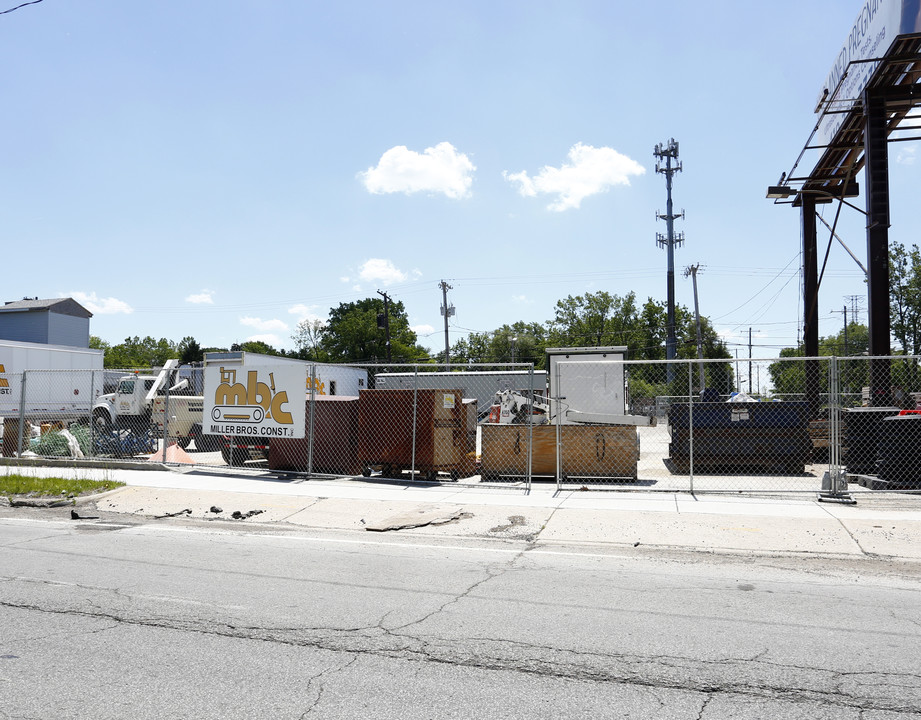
225	170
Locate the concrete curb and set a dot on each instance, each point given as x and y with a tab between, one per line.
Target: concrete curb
72	463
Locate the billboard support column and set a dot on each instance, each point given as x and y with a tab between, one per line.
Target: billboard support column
810	302
876	151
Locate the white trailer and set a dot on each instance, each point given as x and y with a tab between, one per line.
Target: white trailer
61	382
328	379
480	384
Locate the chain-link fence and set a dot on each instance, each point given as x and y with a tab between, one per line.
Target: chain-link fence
827	424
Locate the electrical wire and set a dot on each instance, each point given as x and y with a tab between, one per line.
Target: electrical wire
34	2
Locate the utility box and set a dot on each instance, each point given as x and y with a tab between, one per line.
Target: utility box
438	435
588	379
335	440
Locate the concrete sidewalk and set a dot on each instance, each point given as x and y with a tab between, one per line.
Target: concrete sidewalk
878	526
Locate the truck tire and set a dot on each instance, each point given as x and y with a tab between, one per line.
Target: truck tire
238	456
183	442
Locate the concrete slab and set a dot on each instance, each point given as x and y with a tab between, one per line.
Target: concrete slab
735	532
893	537
419	516
153	502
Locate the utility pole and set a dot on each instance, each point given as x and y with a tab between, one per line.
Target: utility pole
845	327
385	321
669	241
856	302
447	311
749	361
692	271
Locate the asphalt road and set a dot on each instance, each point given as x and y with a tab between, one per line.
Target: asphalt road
126	617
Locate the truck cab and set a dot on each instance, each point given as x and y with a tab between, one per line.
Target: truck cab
128	401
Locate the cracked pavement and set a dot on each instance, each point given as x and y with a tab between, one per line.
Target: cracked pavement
208	621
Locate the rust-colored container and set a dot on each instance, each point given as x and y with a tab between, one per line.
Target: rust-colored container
445	432
593	451
11	437
335	440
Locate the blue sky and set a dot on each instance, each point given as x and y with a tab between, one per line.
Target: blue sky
227	169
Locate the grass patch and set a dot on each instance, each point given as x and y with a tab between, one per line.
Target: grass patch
50	486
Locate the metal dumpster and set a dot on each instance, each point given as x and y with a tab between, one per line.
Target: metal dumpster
431	431
335	440
897	455
862	432
772	437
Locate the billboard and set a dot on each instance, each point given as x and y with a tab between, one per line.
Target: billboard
261	401
874	31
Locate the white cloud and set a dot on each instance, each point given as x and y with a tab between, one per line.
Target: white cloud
205	297
520	299
305	312
589	171
380	270
907	155
422	329
268	339
101	306
439	169
264	325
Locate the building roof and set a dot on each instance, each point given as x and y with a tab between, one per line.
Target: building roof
61	306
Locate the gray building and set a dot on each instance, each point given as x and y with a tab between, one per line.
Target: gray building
58	321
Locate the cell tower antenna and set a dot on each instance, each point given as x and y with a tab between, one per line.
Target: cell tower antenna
669	154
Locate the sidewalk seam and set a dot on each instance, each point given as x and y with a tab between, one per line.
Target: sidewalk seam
849	533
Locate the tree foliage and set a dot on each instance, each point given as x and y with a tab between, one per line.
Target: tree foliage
905	297
519	342
135	352
352	334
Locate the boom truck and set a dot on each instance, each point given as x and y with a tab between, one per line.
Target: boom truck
140	401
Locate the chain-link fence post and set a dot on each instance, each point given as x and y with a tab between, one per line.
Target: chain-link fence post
556	405
531	393
311	417
415	417
165	416
22	413
92	426
690	429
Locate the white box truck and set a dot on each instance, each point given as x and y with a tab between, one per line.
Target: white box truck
61	382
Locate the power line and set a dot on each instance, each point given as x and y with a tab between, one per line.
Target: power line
34	2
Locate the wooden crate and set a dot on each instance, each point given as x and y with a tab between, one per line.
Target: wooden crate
445	432
608	451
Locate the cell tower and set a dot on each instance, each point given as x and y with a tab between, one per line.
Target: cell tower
669	241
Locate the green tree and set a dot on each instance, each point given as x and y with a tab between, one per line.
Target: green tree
601	318
97	343
190	351
788	377
352	334
519	342
595	319
138	353
308	340
254	346
905	297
